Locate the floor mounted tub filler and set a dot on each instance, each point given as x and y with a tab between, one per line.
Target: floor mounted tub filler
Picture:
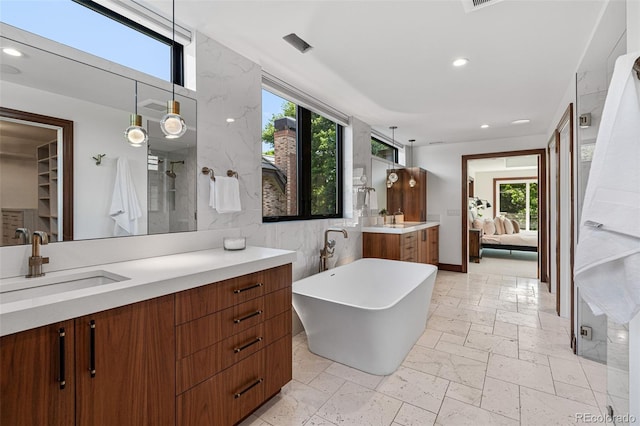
366	314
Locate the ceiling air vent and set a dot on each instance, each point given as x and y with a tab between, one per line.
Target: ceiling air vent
471	5
153	105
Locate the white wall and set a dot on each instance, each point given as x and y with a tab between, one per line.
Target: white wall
444	164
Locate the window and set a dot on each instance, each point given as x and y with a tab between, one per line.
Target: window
518	200
301	162
92	28
384	150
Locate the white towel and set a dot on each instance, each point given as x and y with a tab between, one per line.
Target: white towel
212	193
373	200
125	208
607	267
226	194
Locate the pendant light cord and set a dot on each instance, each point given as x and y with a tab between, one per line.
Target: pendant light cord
173	50
135	97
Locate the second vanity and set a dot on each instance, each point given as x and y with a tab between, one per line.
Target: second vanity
408	241
188	339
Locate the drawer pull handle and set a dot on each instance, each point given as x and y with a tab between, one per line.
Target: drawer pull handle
251	287
239	320
61	379
241	348
256	383
92	344
410	247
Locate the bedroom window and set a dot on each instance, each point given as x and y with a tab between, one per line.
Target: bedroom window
518	199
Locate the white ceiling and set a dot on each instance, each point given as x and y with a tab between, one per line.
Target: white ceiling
389	62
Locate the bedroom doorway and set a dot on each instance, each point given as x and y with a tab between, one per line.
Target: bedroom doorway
511	186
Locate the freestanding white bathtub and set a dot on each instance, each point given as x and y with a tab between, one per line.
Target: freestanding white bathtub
366	314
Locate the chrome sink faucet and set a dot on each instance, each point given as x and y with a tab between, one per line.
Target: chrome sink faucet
36	261
329	247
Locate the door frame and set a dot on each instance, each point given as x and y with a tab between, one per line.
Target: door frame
542	205
566	121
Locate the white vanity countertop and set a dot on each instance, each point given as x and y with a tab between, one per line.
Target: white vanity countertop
148	278
400	228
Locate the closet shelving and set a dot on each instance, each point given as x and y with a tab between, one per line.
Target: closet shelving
47	157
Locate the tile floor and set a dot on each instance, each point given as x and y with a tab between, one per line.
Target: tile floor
493	353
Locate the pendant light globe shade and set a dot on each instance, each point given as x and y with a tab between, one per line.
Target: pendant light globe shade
172	125
412	182
135	134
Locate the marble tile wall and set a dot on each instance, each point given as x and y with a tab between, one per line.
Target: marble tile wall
229	86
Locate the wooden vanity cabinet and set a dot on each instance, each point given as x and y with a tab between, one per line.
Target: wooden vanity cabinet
125	365
391	246
206	356
419	246
32	365
233	341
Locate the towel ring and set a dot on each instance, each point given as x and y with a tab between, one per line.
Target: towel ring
209	172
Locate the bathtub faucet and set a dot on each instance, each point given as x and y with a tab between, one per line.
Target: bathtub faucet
329	247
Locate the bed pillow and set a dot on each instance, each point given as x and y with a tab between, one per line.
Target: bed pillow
516	227
489	227
508	226
477	224
499	225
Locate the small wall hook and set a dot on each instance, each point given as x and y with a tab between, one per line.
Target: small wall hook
98	158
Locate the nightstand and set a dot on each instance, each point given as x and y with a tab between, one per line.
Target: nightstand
475	245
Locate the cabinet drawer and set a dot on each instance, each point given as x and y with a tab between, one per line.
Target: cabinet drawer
208	362
225	398
205	300
206	331
277	302
409	239
277	327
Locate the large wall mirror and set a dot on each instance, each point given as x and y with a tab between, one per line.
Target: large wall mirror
41	87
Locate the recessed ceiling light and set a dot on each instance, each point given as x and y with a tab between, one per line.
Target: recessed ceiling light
521	121
484	126
460	62
11	51
230	120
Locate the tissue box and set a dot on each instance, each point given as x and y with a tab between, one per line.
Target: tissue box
237	243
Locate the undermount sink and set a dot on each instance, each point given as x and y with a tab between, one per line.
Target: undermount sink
28	288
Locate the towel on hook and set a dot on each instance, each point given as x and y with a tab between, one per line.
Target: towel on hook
212	193
226	194
607	263
373	200
125	208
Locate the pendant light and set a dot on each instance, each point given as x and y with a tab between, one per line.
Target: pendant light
412	181
393	176
135	134
172	125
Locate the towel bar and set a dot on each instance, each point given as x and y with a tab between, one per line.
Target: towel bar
209	171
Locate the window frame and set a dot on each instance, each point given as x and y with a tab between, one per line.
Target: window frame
177	49
393	149
518	180
304	195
